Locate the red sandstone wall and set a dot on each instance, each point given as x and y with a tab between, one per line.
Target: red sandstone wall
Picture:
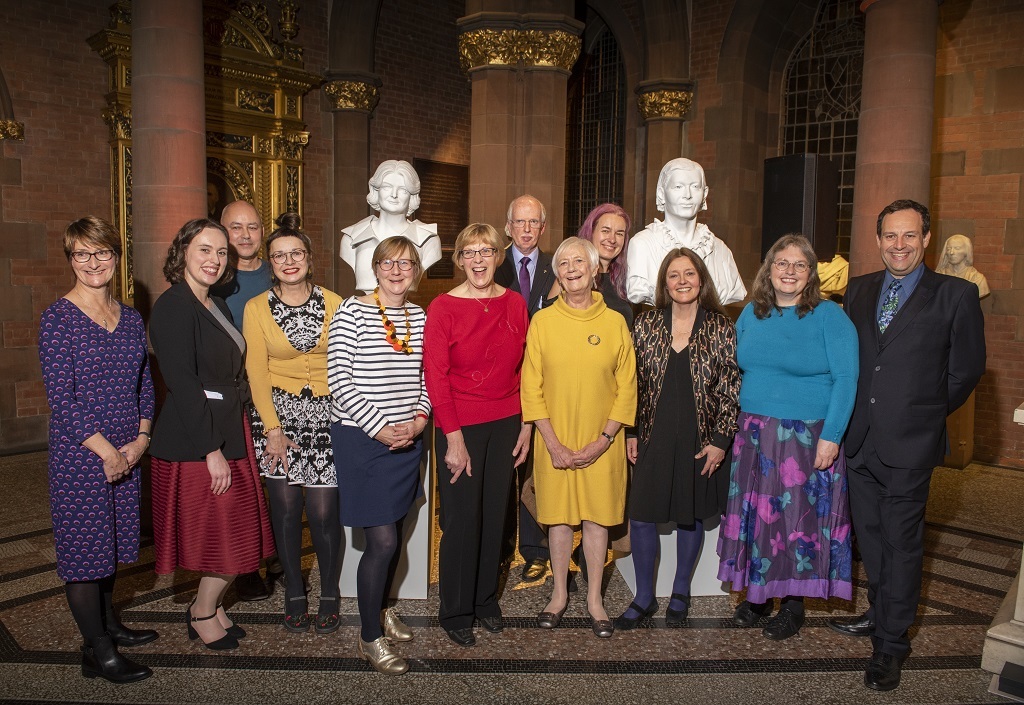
976	190
424	108
60	172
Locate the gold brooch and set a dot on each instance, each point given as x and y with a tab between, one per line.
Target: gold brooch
593	339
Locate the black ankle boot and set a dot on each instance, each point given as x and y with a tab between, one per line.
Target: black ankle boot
124	636
100	659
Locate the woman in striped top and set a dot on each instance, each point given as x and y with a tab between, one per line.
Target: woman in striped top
375	372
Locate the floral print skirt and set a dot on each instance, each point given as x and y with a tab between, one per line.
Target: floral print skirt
786	530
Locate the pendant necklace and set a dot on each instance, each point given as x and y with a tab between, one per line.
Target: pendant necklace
390	332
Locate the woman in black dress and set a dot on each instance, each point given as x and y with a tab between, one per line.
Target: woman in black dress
688	399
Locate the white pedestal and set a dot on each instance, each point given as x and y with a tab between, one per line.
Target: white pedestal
705	575
413	573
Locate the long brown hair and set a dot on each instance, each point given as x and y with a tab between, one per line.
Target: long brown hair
707	299
763	293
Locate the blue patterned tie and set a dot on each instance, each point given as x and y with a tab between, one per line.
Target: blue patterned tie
889	305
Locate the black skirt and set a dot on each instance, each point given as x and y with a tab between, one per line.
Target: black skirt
667	485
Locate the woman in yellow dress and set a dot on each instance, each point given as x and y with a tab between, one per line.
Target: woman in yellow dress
579	389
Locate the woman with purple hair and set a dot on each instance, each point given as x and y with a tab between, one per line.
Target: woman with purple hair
607	226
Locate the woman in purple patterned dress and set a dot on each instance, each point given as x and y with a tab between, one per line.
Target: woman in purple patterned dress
93	353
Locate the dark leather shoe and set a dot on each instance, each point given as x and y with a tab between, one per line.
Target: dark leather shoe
860	625
124	636
783	625
492	624
883	672
250	587
462	637
100	659
677	617
550	620
626	623
534	569
747	615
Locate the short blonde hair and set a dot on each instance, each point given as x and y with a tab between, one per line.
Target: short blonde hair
391	248
483	233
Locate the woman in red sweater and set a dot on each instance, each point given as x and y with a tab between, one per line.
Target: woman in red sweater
473	350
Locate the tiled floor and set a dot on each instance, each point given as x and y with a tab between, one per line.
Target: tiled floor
973	552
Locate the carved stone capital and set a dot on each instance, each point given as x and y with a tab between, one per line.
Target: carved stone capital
664	100
352	95
12	130
119	120
557	48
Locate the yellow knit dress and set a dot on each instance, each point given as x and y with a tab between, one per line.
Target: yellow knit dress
579	372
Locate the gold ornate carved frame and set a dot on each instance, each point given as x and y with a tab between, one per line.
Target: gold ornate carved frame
255	134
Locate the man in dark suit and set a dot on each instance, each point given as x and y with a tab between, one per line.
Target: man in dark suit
527	271
922	351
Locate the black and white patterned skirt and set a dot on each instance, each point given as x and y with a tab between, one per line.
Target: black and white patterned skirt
306	420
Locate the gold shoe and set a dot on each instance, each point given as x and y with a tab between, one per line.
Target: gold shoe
381	657
394	628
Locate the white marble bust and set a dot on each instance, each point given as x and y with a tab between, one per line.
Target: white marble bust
958	261
682	193
394	194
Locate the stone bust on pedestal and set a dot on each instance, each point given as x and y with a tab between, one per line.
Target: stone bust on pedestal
958	261
682	193
394	194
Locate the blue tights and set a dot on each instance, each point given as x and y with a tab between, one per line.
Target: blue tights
643	538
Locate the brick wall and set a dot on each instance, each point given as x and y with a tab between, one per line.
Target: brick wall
60	172
424	109
976	191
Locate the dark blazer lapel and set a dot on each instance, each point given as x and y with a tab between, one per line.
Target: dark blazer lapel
540	287
508	271
923	293
869	303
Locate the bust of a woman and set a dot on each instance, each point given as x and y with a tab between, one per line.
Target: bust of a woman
395	195
958	261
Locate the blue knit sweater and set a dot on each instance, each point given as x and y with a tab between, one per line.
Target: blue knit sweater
799	368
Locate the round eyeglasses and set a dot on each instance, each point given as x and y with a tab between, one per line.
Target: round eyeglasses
387	265
282	257
799	267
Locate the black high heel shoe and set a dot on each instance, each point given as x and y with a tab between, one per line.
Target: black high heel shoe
223	644
626	623
234	630
677	617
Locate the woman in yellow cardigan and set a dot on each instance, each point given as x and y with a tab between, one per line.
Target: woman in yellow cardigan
286	334
579	389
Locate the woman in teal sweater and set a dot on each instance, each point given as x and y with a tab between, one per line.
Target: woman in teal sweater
786	531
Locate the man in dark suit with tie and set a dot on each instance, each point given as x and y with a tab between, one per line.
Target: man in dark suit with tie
528	271
922	351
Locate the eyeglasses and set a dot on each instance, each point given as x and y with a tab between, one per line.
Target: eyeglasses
799	267
294	255
521	223
387	265
485	252
82	257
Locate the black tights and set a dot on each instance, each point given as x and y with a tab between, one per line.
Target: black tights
374	576
286	502
92	604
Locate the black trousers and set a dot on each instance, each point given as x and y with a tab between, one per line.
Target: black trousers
888	507
472	521
533	540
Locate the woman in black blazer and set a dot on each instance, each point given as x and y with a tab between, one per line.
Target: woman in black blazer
208	510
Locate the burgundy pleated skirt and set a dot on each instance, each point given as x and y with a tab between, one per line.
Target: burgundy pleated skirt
194	529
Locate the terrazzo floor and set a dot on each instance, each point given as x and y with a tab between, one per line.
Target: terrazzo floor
973	552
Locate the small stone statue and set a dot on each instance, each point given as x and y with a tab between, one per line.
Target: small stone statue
394	194
958	261
682	193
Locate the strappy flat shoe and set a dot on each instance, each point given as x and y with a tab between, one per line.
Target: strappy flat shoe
677	617
626	623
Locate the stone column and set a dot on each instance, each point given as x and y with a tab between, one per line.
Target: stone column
519	67
894	138
664	105
168	133
352	98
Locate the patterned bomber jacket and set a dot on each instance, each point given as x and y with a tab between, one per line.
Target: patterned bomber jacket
716	376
